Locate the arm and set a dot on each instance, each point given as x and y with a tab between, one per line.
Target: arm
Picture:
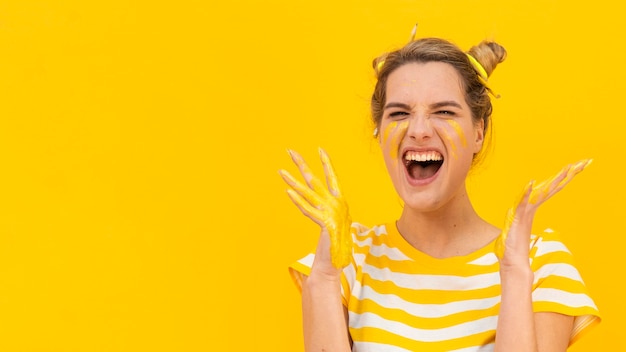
325	319
519	329
324	316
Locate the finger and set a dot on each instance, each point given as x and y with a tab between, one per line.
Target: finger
541	190
518	207
310	179
305	192
549	187
552	186
306	208
329	171
569	176
575	170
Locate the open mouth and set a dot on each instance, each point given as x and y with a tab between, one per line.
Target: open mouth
422	165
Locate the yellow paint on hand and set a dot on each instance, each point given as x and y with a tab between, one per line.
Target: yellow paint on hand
324	205
541	191
537	194
338	220
508	221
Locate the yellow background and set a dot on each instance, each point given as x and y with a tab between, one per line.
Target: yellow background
140	204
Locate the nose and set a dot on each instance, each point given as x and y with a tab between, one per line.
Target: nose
420	128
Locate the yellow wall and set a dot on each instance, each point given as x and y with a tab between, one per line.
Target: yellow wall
140	204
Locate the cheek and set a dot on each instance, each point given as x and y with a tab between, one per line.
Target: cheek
392	137
459	131
454	136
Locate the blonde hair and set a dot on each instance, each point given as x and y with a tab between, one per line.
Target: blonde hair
488	54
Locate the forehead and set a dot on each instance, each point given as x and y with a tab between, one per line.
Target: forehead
425	82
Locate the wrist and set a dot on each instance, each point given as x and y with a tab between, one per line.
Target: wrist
323	281
325	271
520	275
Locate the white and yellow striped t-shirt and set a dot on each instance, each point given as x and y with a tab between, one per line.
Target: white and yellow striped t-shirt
400	299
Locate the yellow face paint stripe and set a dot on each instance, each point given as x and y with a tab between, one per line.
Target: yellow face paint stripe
459	131
390	127
399	133
452	143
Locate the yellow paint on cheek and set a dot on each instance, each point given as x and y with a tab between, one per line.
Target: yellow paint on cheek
398	134
459	131
387	131
391	138
447	136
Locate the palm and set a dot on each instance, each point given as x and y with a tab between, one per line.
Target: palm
514	241
325	205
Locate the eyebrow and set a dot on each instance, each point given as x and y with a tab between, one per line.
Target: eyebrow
397	105
437	105
445	103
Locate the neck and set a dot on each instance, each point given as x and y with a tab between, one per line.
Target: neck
451	230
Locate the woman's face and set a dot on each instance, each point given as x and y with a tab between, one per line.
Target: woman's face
427	135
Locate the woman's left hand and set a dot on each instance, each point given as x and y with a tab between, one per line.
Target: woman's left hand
513	245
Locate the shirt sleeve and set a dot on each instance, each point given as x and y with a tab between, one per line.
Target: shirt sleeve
302	268
558	286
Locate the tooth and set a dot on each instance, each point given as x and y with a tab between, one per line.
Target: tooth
423	156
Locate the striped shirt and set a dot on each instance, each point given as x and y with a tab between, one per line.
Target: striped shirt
400	299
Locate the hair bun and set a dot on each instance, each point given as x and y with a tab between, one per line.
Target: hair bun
489	54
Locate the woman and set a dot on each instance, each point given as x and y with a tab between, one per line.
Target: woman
440	278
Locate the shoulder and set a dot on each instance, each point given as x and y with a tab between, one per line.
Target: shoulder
558	286
547	242
552	262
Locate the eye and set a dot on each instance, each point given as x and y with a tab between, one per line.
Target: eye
445	114
398	114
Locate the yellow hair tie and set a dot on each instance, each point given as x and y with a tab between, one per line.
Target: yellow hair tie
479	68
380	65
482	73
413	32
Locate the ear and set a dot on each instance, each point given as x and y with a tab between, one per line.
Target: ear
479	135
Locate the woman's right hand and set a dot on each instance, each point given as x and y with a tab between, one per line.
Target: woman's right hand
327	207
324	317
